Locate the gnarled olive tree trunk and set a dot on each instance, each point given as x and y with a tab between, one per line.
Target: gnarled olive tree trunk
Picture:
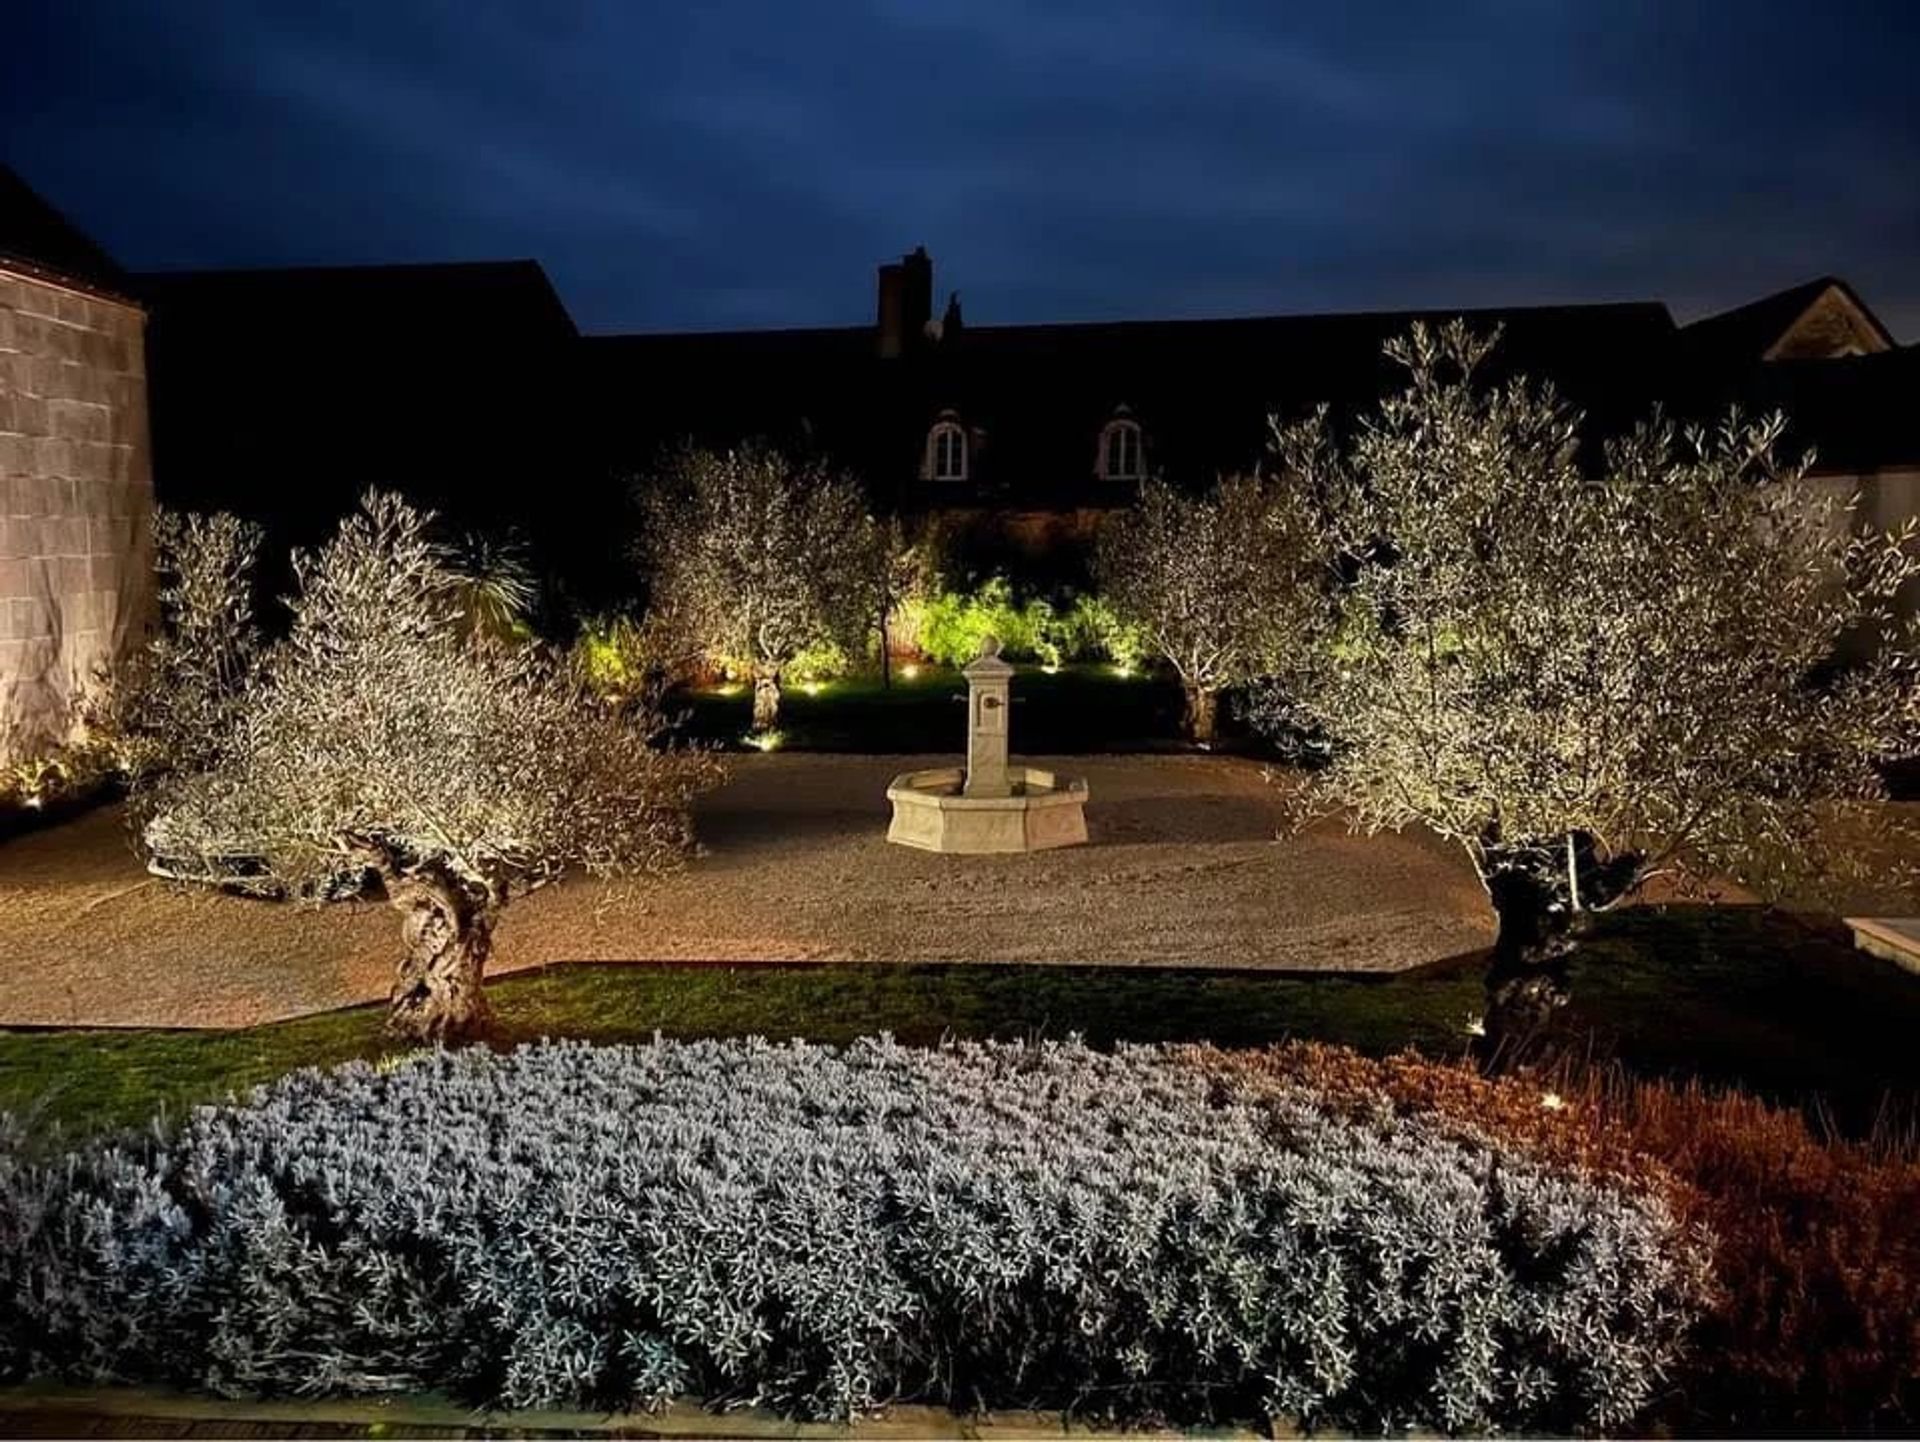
1545	897
1202	711
447	929
766	697
1527	981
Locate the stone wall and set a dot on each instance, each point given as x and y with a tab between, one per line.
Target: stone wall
76	499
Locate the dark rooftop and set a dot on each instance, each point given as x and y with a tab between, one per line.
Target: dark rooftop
36	237
455	298
1036	396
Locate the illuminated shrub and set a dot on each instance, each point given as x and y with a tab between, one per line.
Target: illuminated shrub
1091	629
609	658
952	623
948	626
626	662
185	689
822	661
38	776
163	706
823	1231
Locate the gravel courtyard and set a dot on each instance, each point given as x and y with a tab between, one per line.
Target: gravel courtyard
1185	867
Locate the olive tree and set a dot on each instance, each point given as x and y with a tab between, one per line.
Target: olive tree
377	736
1589	676
174	697
1223	586
761	556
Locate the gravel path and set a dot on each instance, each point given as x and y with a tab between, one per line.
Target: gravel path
1185	867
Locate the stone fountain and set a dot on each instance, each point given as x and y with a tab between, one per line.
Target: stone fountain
988	805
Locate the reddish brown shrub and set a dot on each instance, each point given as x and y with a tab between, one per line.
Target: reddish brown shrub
1816	1242
1818	1255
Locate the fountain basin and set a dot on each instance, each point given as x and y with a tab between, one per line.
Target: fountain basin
931	812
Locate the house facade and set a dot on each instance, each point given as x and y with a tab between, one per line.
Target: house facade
1033	431
76	495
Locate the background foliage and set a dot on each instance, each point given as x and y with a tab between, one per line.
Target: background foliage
948	625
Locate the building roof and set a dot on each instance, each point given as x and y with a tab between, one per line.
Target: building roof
1334	346
1750	332
457	299
281	395
1853	412
1035	397
470	384
39	240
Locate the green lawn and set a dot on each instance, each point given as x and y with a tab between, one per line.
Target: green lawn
1732	996
1078	708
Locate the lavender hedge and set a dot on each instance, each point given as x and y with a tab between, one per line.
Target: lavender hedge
824	1230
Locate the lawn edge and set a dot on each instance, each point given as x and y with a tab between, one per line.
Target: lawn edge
686	1419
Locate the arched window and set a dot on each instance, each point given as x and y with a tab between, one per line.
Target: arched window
1121	456
946	458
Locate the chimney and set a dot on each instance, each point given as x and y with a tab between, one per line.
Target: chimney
905	304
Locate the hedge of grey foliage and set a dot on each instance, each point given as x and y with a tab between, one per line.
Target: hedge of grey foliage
823	1230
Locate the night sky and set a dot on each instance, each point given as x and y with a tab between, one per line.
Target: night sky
715	164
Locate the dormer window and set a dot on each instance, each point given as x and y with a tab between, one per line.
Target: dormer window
1121	457
946	458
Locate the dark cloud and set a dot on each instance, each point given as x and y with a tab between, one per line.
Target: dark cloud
728	164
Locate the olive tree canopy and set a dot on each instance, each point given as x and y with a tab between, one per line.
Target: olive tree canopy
761	557
1224	586
384	733
1588	676
170	702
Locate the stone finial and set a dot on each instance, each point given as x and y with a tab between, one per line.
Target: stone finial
989	664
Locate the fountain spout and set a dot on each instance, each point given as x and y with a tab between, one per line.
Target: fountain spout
989	694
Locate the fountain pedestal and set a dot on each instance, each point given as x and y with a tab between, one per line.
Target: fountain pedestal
990	805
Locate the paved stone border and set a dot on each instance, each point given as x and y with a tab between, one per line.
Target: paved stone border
1894	939
37	1410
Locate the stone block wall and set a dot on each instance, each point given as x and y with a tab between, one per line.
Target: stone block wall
76	499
